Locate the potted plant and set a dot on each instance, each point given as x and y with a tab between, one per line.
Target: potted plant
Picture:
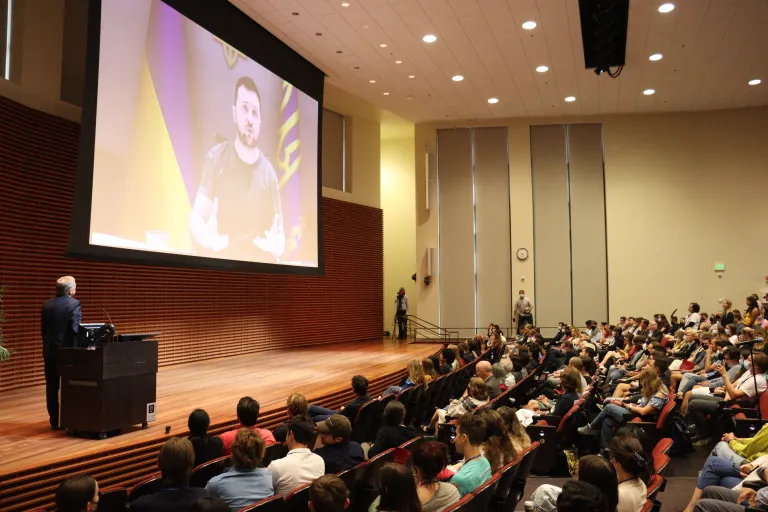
5	353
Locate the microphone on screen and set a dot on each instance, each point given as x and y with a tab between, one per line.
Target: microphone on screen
749	343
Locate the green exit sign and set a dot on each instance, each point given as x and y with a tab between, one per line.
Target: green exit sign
719	267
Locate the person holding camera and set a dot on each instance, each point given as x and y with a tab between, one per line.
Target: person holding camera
401	313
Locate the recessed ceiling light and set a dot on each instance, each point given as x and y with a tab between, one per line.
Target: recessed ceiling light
372	81
529	25
398	62
655	57
411	76
493	101
409	97
648	92
429	38
665	8
570	99
542	69
385	93
383	45
755	81
344	4
457	78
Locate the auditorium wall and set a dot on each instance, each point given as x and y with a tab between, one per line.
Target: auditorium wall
682	192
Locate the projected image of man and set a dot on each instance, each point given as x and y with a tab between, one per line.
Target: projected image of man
237	211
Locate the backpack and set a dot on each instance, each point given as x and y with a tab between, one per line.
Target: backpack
681	444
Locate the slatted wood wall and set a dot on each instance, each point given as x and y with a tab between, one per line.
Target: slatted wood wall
201	314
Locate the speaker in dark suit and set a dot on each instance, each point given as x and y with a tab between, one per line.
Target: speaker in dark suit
59	321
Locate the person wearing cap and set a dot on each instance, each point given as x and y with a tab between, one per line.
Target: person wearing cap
338	451
300	466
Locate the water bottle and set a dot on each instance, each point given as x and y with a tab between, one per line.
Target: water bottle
529	507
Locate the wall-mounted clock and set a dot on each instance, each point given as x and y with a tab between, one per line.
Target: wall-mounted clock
522	254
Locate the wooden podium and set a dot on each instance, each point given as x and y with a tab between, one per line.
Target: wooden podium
108	388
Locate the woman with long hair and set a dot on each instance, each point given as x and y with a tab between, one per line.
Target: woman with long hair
617	411
415	377
726	315
428	366
398	490
632	470
752	311
497	447
517	434
457	361
477	395
592	469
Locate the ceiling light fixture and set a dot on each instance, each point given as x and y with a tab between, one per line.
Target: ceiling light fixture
398	62
542	69
649	92
344	4
755	81
372	81
457	78
411	76
665	8
429	38
385	93
655	57
493	101
529	25
383	45
570	99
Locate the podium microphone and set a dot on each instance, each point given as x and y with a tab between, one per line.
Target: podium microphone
108	317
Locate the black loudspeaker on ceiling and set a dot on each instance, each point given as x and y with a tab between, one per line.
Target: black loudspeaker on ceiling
604	34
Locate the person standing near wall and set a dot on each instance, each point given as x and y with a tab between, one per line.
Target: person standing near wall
401	312
523	311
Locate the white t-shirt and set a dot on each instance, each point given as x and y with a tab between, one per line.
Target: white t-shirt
632	495
734	339
525	416
747	384
299	467
693	317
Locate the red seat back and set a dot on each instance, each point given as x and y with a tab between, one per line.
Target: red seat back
149	486
297	500
207	470
271	504
661	422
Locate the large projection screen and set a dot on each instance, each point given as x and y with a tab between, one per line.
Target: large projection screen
200	141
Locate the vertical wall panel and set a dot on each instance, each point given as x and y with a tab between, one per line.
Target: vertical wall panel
550	225
588	243
201	314
456	252
492	226
333	157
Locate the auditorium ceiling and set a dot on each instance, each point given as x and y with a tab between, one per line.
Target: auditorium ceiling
711	50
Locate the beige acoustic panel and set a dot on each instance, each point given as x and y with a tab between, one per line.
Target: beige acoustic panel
588	241
492	231
551	230
456	254
333	150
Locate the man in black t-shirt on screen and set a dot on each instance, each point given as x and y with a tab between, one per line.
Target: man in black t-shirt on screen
237	212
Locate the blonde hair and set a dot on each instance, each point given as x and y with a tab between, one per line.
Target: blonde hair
297	405
416	372
727	301
429	367
650	383
455	350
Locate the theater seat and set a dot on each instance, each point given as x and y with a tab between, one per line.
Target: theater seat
655	486
655	431
484	494
272	504
507	476
113	499
660	463
663	446
149	486
463	505
297	499
207	470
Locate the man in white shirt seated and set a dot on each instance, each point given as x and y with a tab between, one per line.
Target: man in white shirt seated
300	466
699	406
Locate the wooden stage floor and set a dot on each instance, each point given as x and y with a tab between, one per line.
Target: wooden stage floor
26	440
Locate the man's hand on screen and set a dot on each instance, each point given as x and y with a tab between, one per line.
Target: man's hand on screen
220	243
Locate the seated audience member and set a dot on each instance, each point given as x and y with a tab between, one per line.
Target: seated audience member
360	387
328	494
300	466
476	395
246	483
497	445
397	490
593	469
517	434
428	366
475	469
569	381
580	496
429	459
78	494
338	451
500	374
458	362
722	499
618	411
699	406
248	414
209	504
415	377
206	447
632	470
392	432
447	360
467	354
516	374
176	460
484	370
297	407
723	472
729	358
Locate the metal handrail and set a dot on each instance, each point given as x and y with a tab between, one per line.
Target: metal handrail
415	324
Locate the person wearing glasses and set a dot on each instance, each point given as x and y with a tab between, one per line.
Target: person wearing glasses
237	212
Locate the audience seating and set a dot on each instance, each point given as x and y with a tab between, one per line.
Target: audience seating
554	439
660	463
462	505
501	498
149	486
655	431
297	499
749	421
527	459
663	446
207	470
113	499
275	451
656	485
483	495
272	504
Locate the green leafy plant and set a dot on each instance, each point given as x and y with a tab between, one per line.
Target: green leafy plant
5	353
